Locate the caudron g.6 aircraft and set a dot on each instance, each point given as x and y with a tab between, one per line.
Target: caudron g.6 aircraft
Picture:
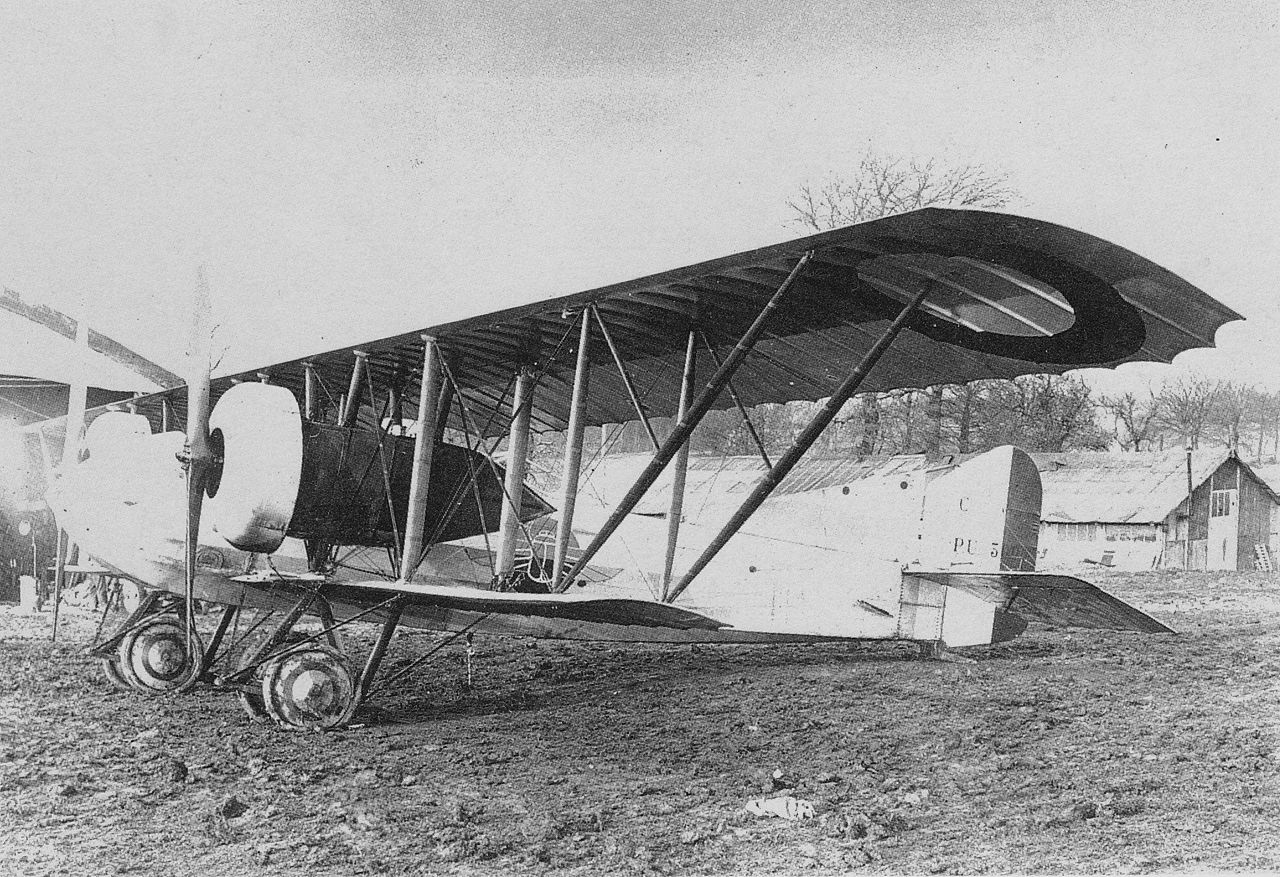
329	454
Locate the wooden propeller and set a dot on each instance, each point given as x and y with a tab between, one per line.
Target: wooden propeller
198	452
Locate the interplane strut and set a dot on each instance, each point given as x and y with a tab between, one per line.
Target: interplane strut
800	446
573	448
423	448
697	410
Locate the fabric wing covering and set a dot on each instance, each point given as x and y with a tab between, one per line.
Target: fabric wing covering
1006	296
1051	599
632	613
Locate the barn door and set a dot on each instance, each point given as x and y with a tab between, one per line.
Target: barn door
1224	529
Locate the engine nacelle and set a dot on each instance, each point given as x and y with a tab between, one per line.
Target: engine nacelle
115	434
257	431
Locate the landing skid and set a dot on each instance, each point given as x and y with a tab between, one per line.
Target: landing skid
936	650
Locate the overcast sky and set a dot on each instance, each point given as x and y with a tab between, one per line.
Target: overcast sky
351	170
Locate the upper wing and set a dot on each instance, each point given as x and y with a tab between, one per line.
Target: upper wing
1007	296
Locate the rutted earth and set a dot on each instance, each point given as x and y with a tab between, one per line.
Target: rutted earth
1063	751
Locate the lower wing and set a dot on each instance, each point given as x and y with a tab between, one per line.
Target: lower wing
565	607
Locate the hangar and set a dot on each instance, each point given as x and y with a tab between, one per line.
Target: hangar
1130	510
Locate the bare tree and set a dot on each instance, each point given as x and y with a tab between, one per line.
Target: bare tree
964	403
884	185
933	421
869	442
1137	417
725	432
1187	406
1266	416
1041	413
1231	405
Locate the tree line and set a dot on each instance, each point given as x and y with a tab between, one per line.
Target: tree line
1051	413
1194	411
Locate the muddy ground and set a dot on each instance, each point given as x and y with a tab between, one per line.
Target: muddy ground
1062	751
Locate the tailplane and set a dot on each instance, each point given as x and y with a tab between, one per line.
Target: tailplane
979	537
1050	599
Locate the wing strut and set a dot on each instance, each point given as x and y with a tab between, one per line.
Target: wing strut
311	399
681	462
697	410
517	469
76	400
423	447
801	445
351	407
626	377
573	447
742	409
443	406
395	398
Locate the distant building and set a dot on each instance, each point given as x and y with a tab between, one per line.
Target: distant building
1130	510
1127	510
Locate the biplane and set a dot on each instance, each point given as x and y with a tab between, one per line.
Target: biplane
364	483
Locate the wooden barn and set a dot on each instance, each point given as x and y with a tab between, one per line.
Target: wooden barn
1130	510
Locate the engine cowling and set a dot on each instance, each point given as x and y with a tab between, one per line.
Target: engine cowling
256	430
115	434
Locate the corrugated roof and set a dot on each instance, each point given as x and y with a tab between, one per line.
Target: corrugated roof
1270	475
811	473
1079	486
1121	488
710	478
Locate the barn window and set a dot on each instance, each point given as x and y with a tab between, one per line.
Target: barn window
1220	503
1078	532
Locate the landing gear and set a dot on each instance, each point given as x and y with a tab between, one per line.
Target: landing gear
312	688
299	680
302	684
251	669
149	651
154	657
250	693
111	670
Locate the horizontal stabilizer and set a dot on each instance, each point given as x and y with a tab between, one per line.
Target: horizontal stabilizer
635	613
1050	599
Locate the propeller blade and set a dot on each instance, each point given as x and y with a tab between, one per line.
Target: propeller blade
198	453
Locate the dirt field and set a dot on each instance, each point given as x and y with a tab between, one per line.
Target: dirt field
1063	751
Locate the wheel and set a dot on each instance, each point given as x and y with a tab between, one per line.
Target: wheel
311	688
115	676
154	660
251	691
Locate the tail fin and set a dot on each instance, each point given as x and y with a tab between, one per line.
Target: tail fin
983	515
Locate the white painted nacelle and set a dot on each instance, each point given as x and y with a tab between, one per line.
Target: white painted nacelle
257	431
